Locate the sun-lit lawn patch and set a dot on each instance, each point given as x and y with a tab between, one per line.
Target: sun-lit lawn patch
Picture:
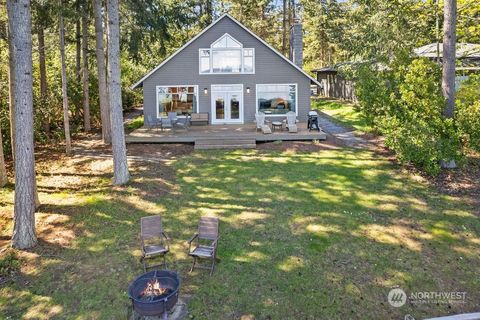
321	235
342	112
134	124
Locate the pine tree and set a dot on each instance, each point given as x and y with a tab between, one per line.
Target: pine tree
449	42
66	121
85	71
102	78
19	18
3	169
120	164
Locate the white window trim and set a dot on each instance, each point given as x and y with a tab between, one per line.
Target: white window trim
230	73
242	57
276	84
179	85
242	107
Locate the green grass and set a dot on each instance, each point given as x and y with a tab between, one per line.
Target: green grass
342	112
320	235
134	124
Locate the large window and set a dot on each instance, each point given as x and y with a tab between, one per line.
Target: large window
273	99
226	55
226	61
180	99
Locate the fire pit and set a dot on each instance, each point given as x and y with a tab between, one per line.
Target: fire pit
154	293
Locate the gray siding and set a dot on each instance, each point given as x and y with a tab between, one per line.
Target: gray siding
269	69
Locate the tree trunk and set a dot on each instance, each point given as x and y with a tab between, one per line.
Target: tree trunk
19	19
120	164
78	56
437	31
449	41
68	144
86	98
11	80
43	77
78	45
284	28
3	169
209	11
293	14
102	80
105	23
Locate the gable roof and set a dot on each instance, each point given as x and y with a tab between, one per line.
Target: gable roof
136	85
463	50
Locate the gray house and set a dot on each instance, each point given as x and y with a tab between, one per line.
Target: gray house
231	74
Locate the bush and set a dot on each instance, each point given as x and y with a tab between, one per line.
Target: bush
373	90
468	117
468	112
405	103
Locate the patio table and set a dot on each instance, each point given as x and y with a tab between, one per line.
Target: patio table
276	125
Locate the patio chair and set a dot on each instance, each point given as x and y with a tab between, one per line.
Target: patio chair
170	121
182	123
151	123
154	240
172	116
206	243
166	123
291	122
260	123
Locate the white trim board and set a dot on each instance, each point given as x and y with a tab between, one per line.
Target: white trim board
208	28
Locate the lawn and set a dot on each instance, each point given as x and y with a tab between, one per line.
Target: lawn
135	123
304	235
342	112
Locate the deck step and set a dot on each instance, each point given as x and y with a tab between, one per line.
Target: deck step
209	143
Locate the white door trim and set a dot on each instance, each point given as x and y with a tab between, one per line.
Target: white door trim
212	104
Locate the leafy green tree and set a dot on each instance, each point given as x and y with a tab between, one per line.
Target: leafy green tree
468	24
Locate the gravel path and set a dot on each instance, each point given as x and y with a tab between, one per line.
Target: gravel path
341	135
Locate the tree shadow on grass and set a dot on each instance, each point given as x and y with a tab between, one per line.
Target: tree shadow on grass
355	226
303	236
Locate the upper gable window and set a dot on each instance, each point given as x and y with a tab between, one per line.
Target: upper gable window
226	41
226	55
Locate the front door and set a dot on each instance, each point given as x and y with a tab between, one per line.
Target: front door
227	104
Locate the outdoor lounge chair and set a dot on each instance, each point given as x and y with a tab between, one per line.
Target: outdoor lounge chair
291	122
154	240
260	123
206	243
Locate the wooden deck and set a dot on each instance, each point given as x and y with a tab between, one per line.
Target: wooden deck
221	135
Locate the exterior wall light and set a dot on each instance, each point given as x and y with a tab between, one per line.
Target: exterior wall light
248	89
205	91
